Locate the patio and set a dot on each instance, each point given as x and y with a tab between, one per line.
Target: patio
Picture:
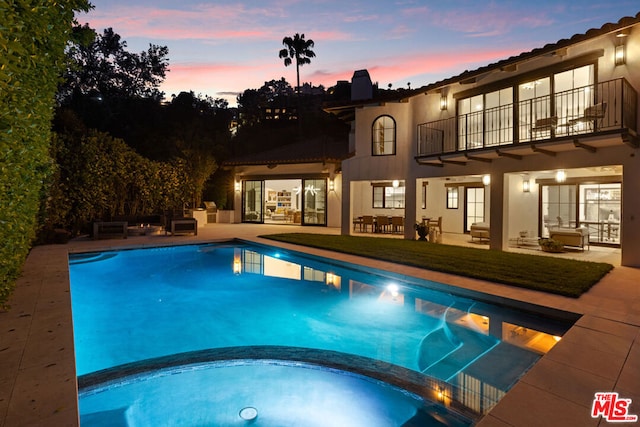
600	353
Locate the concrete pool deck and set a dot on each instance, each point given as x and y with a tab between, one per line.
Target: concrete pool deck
600	353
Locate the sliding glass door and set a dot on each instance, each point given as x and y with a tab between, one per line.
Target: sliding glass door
252	197
600	210
558	207
314	201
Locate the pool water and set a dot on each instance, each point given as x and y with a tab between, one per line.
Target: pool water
143	304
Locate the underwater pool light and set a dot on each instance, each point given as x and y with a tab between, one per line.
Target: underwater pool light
393	288
249	413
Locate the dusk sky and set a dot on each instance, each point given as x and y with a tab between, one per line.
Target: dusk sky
221	48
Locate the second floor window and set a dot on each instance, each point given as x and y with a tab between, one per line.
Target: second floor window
383	136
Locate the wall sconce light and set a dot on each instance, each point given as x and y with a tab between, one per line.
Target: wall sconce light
561	176
332	185
525	185
237	186
620	54
395	183
486	180
443	101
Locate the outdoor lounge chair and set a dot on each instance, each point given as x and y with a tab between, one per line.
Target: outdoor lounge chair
545	125
577	237
592	115
479	230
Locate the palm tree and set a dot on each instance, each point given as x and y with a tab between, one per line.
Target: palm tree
299	49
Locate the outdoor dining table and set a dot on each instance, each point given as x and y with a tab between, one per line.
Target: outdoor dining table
359	221
601	226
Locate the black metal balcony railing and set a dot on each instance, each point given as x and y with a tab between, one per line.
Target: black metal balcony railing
590	109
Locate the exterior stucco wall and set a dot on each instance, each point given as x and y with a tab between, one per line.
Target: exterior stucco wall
509	210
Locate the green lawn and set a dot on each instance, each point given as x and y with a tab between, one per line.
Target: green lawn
543	273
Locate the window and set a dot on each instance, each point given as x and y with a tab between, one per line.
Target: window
383	136
388	196
452	197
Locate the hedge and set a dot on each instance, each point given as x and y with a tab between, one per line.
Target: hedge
33	36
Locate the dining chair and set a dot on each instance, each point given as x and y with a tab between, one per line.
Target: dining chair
383	223
436	223
367	220
397	224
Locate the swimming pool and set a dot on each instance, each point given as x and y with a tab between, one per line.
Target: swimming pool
139	307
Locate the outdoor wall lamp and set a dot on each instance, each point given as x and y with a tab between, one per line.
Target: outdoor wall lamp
443	101
620	54
486	179
561	176
332	185
395	183
237	186
525	185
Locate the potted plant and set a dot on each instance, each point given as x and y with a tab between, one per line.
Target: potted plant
422	230
550	245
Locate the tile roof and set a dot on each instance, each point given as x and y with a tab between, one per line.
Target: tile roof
314	150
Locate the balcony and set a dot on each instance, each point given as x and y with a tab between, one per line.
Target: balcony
609	107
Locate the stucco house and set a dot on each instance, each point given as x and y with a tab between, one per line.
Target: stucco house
527	145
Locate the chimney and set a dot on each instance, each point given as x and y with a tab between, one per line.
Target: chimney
361	86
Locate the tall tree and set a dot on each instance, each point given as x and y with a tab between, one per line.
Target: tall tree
298	49
104	68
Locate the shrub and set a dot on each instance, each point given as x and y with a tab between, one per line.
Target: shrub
98	177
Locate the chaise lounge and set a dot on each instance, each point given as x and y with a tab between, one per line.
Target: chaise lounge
577	237
479	230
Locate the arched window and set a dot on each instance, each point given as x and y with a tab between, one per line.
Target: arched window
383	136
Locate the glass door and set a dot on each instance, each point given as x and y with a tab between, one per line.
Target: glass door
574	92
558	207
536	117
498	120
474	206
252	197
314	201
600	209
470	122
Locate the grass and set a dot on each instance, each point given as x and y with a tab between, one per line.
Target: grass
542	273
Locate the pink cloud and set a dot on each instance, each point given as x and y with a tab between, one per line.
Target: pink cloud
443	64
493	20
210	22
